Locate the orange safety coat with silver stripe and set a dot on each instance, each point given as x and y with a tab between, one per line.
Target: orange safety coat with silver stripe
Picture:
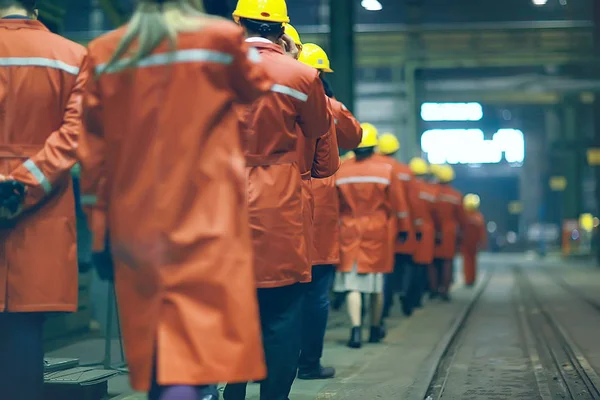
169	170
369	198
475	233
449	207
296	106
326	242
404	223
423	197
42	78
319	158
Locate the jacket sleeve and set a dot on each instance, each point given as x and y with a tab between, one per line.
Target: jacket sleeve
327	157
315	118
349	132
92	155
400	204
248	77
54	161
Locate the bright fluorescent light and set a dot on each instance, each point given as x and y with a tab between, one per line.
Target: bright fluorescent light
451	112
539	2
371	5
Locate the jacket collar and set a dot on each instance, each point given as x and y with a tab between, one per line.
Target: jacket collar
265	45
14	23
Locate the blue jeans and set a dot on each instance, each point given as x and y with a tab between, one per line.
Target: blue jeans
315	315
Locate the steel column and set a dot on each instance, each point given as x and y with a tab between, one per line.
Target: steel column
341	50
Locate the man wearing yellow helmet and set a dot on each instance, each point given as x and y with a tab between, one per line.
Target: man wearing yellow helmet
399	281
422	198
474	237
369	201
450	211
296	107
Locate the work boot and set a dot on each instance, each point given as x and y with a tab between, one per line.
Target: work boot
433	295
355	341
383	329
406	305
445	297
376	334
317	373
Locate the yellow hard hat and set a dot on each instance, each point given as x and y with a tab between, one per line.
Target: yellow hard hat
314	56
369	137
418	166
444	173
471	201
262	10
293	33
388	143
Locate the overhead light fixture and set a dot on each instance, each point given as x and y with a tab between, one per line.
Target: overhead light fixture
371	5
539	2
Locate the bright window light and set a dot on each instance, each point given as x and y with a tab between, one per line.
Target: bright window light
468	146
539	2
371	5
451	112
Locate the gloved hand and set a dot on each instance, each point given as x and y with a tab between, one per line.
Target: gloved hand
438	239
103	263
326	86
402	237
419	236
12	196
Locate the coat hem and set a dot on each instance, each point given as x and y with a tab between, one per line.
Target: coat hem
40	308
287	282
334	261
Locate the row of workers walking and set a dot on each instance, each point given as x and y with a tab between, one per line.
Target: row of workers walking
220	204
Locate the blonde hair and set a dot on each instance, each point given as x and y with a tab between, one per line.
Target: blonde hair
153	22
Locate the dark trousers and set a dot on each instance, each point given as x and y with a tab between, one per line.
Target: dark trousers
398	281
281	322
440	275
21	356
419	284
315	314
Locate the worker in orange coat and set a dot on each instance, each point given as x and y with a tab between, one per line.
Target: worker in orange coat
42	77
474	237
369	198
171	196
449	209
399	280
325	252
423	197
296	106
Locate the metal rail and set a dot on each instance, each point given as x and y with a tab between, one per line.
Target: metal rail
569	288
577	378
429	372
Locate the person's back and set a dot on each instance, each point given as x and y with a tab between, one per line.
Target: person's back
41	86
164	134
449	210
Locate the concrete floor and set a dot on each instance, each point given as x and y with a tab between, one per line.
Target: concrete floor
490	346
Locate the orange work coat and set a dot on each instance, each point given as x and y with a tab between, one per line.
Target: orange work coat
423	197
404	222
449	207
474	234
326	242
369	198
173	188
42	78
318	158
273	125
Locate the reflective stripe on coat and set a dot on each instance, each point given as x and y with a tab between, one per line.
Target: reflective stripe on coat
42	77
171	181
295	110
369	199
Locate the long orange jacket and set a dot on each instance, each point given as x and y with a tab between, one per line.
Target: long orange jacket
164	141
475	233
449	206
404	223
42	78
318	158
326	242
423	197
296	106
369	198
